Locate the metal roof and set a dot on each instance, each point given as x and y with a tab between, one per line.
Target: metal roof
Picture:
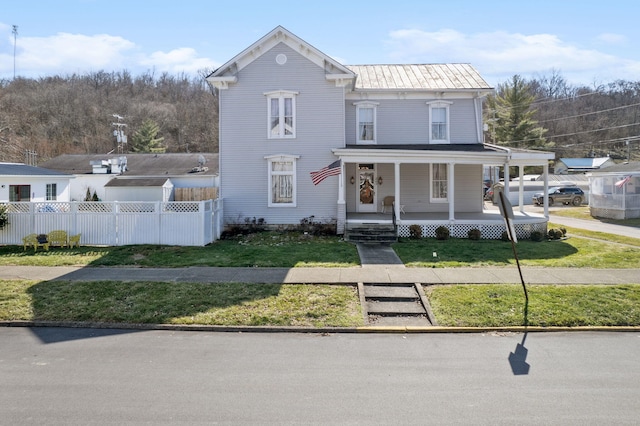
585	163
418	77
168	164
632	167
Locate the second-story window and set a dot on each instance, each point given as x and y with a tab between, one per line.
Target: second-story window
281	107
366	122
439	122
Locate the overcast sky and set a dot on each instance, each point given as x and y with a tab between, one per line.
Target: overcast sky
586	42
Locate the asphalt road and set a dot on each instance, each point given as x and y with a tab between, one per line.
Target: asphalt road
92	376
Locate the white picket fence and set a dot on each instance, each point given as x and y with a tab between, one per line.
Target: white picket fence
118	223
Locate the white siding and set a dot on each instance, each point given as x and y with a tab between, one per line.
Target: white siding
38	186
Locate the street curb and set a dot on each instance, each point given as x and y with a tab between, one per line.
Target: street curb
321	330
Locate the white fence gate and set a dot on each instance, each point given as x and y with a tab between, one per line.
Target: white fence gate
118	223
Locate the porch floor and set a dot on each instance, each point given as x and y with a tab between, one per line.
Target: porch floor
485	216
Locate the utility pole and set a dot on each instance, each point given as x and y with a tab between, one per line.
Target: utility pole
121	138
15	37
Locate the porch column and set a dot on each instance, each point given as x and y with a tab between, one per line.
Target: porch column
342	208
396	190
506	180
521	189
545	176
450	194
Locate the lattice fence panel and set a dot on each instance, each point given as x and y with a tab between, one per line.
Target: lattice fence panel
488	232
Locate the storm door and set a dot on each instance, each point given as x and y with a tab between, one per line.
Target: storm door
367	193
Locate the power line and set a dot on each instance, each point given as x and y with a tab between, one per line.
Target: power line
590	113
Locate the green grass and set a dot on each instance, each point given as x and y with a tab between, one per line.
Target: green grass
266	249
181	303
584	213
504	305
611	238
568	253
291	250
236	304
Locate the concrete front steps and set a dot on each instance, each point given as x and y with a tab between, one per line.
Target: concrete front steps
387	304
371	233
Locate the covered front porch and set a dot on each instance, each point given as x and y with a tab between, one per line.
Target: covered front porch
489	222
432	186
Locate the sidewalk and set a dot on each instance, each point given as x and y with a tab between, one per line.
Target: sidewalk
365	274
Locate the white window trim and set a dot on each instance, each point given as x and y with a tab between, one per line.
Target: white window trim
277	158
445	105
433	199
51	195
374	106
281	95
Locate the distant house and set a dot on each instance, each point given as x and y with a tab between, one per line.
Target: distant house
20	183
139	189
195	174
615	192
567	166
302	135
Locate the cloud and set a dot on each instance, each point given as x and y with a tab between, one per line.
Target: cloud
184	59
610	38
65	53
499	55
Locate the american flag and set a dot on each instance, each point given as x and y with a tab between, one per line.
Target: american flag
332	169
620	183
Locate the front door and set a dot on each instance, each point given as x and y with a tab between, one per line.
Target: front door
367	194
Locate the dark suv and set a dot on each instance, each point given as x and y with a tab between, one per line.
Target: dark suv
563	194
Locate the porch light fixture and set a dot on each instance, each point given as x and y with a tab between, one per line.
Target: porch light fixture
380	180
352	180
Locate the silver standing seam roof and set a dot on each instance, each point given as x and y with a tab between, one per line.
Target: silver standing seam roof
418	77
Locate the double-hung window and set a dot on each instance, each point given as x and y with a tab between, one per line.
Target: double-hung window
439	121
52	192
439	183
365	122
281	106
282	180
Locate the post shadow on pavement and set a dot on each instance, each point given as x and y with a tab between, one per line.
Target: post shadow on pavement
517	359
64	334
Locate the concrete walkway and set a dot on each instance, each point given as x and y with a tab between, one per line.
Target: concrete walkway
366	274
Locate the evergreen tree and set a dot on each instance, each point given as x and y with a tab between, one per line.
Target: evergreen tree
510	117
146	138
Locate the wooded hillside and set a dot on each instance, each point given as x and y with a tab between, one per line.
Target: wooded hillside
583	121
58	115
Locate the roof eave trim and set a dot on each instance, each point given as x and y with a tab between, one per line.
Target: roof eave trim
222	83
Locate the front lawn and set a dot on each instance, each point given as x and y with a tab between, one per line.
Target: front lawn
181	303
313	305
504	305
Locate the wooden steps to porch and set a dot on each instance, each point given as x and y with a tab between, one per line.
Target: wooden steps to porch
371	233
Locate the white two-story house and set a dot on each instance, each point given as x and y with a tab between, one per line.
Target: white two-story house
404	143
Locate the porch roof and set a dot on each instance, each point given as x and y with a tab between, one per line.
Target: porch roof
442	153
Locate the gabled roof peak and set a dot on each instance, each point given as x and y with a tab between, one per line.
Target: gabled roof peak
227	73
